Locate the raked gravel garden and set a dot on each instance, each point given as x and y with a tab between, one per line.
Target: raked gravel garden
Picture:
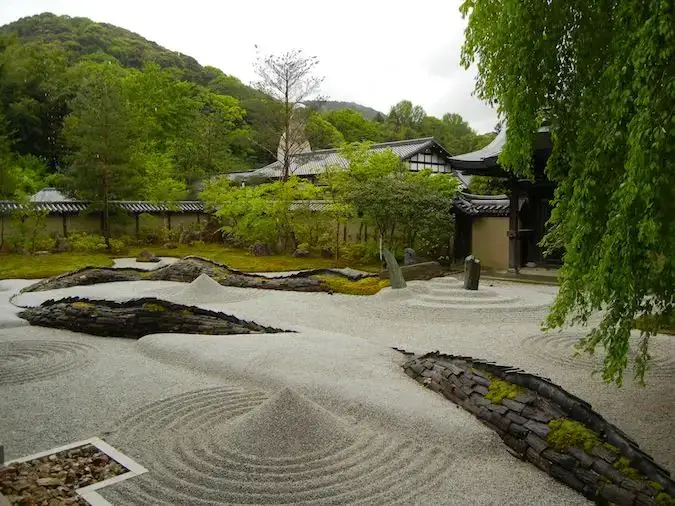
317	410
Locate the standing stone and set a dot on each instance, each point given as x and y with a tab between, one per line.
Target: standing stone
396	278
471	273
409	256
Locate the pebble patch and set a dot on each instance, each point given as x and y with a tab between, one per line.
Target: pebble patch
233	446
32	360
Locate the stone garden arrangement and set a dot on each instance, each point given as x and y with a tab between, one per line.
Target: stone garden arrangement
188	269
266	389
136	318
544	424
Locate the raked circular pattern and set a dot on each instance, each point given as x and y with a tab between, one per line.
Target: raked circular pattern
33	360
559	348
177	440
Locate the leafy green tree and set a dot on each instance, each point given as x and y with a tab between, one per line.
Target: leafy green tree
321	133
33	95
405	118
270	213
99	131
354	127
602	75
484	185
402	204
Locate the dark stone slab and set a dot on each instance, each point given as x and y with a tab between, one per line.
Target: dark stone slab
607	470
498	408
513	405
567	477
516	418
538	428
480	389
604	454
518	431
516	444
617	495
566	461
536	443
584	459
538	460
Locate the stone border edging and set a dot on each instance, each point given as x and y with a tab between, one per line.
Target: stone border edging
522	423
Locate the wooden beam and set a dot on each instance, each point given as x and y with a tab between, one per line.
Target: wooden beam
514	239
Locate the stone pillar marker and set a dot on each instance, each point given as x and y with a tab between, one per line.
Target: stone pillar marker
471	273
395	275
410	257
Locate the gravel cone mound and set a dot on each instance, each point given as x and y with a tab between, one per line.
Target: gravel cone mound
228	445
287	426
203	290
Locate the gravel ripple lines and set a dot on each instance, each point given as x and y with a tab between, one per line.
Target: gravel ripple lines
231	446
33	360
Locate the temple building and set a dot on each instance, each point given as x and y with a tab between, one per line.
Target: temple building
528	202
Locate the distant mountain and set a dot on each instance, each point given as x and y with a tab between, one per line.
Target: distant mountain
334	105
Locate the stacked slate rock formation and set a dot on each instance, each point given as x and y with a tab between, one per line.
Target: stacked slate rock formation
522	423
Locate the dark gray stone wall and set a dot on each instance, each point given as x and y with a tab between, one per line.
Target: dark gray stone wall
136	318
522	423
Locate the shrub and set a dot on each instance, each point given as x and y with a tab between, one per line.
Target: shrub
81	241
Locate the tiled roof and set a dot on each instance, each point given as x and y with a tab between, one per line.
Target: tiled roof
487	157
78	206
310	164
65	207
482	205
143	206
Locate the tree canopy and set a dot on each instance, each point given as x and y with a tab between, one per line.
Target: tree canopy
602	73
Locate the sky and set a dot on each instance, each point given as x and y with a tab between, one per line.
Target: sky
372	52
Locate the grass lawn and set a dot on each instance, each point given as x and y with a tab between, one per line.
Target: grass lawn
43	266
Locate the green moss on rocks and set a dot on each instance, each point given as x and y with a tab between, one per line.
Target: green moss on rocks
82	305
565	433
154	307
500	389
623	466
663	499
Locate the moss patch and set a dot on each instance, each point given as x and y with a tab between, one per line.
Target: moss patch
565	433
500	389
82	305
663	499
623	466
365	286
154	307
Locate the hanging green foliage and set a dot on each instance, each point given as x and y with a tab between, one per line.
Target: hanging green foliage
602	73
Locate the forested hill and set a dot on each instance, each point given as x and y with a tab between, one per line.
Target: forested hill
335	105
172	120
81	37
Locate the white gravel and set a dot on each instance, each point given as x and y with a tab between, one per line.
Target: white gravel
125	263
402	437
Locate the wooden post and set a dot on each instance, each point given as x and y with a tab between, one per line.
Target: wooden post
65	225
138	225
514	240
168	217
